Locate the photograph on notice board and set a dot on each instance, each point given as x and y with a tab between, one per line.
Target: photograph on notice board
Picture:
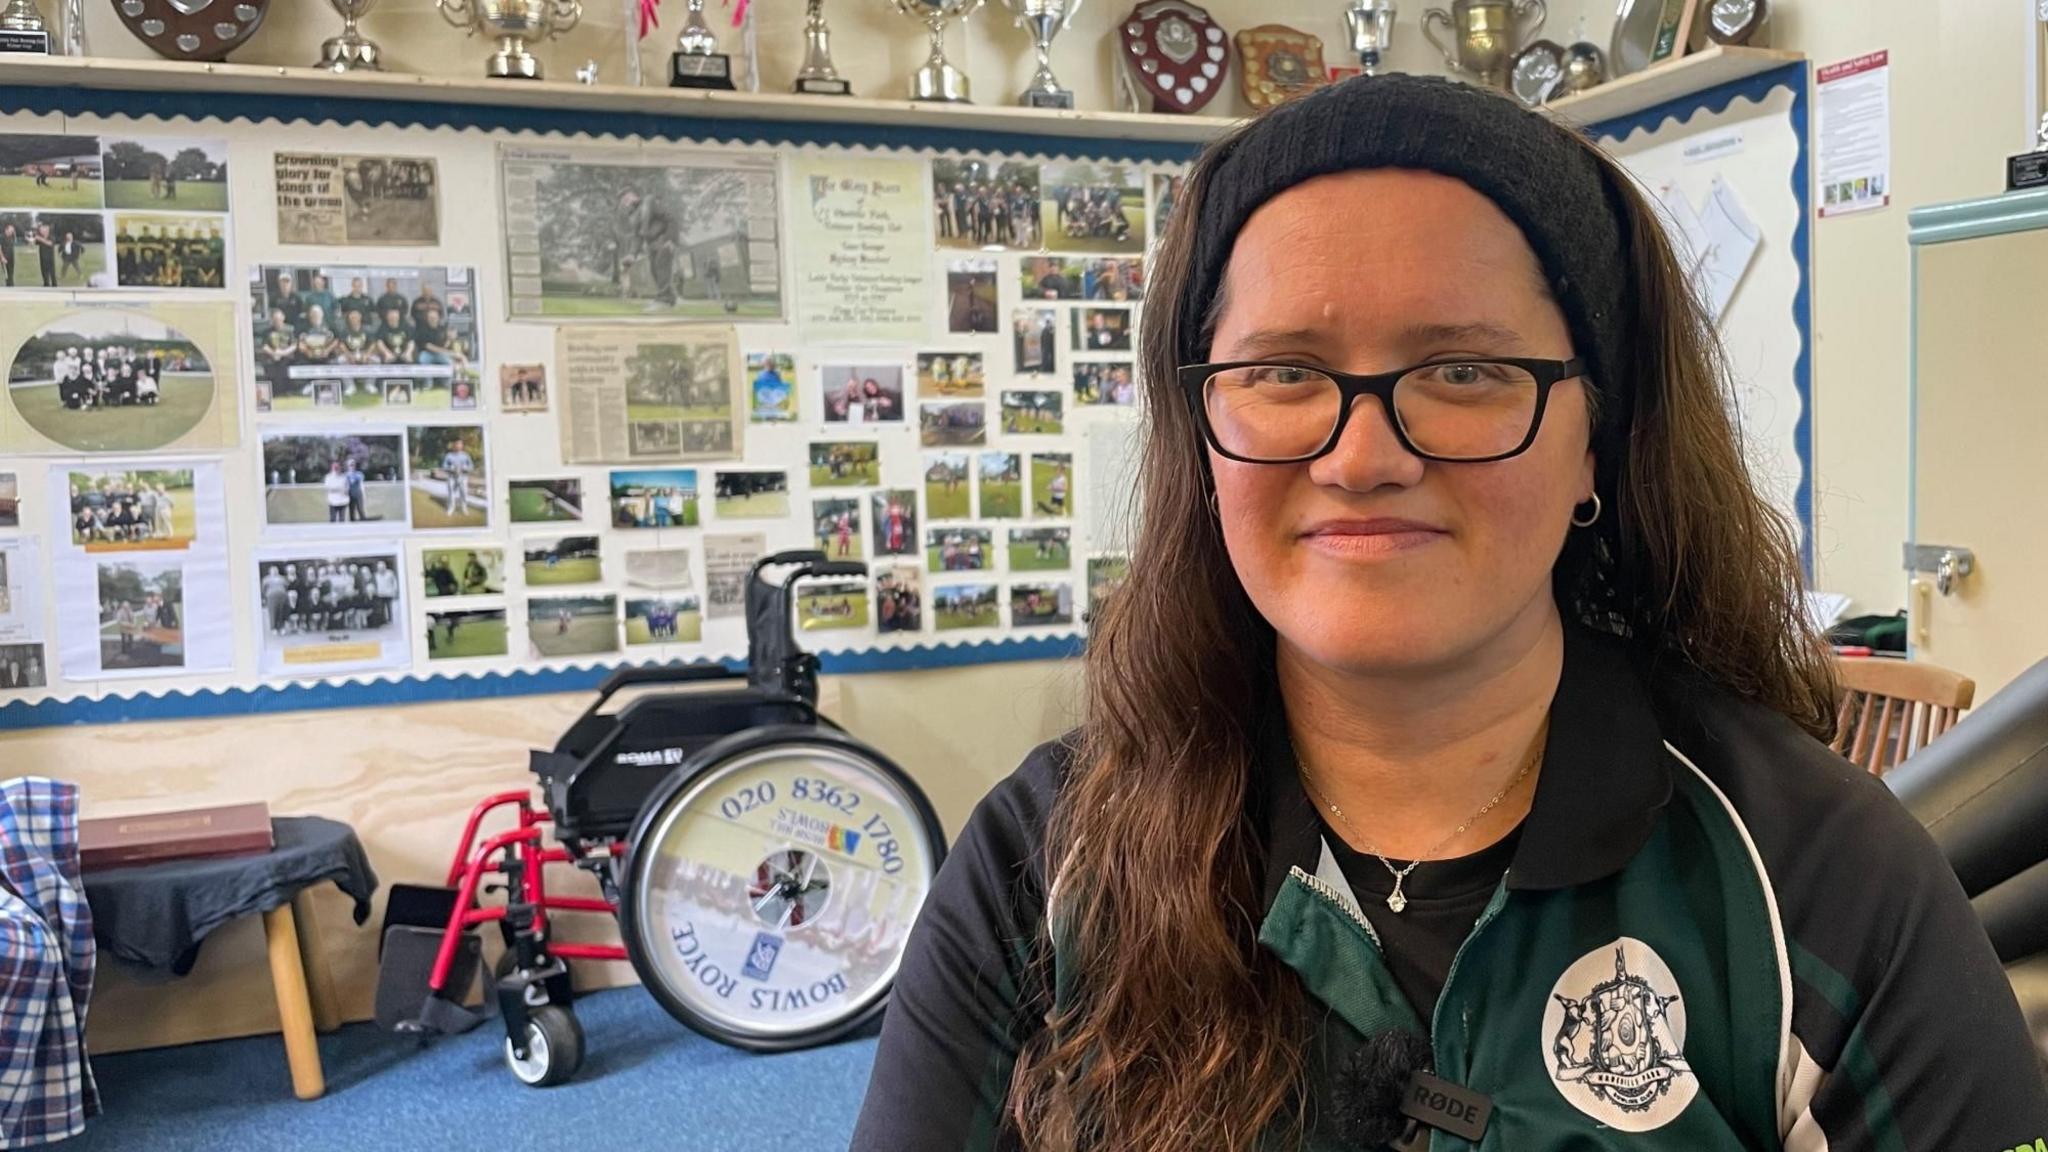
948	494
845	464
356	201
899	599
1002	486
750	495
349	482
572	626
826	605
771	379
21	588
1093	206
1034	336
158	251
956	606
893	514
142	614
23	666
60	250
1033	413
51	171
132	378
569	560
1041	605
986	204
835	525
1051	278
594	233
327	612
459	571
523	387
952	424
861	393
959	549
654	498
1111	382
1120	279
663	620
375	337
1105	575
158	174
1051	484
970	296
143	510
1100	329
1166	192
545	501
659	568
1040	549
10	500
467	635
451	486
951	375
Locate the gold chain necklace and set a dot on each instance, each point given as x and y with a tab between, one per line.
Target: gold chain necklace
1395	900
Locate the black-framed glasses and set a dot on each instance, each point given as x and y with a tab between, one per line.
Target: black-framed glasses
1464	410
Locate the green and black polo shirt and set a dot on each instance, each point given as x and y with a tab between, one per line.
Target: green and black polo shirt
1712	934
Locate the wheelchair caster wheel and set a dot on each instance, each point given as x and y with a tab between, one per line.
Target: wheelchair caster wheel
554	1048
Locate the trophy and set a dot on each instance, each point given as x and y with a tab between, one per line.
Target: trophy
2029	169
192	30
22	31
1278	62
818	77
349	52
1372	31
1175	53
938	79
514	23
1585	66
1537	72
697	62
1485	36
1735	21
1046	19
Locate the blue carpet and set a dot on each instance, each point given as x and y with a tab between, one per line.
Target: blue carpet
647	1082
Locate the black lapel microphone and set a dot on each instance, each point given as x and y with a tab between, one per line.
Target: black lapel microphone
1387	1097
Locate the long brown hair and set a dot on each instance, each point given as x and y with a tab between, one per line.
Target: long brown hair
1174	1031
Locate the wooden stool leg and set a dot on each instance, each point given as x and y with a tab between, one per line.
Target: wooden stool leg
301	1047
319	982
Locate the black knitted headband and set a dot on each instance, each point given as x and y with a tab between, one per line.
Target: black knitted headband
1526	163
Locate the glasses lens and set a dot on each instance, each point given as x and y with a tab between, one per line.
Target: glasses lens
1271	411
1466	410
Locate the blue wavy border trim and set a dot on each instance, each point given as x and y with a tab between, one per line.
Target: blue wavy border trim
269	698
1792	76
232	106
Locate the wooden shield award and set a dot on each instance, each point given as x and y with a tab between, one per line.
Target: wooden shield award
1175	52
1278	62
192	29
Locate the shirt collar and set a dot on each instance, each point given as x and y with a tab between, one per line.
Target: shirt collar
1606	778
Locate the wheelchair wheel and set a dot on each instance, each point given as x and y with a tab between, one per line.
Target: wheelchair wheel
771	885
554	1048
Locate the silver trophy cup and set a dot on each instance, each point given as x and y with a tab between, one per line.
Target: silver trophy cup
350	52
514	24
1371	23
1045	19
22	30
818	77
697	62
937	79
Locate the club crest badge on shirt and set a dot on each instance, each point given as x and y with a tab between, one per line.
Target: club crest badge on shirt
1614	1038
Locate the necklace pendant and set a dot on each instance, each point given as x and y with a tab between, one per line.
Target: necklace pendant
1396	901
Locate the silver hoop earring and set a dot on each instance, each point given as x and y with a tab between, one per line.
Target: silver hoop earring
1589	521
1215	508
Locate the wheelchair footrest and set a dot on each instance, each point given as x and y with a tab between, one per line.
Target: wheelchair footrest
404	1003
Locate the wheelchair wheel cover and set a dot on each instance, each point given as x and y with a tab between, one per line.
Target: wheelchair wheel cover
771	884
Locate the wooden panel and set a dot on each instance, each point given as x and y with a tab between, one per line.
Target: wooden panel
406	777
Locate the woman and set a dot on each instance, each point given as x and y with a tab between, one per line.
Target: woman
1459	712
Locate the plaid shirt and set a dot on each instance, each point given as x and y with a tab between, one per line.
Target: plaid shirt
46	965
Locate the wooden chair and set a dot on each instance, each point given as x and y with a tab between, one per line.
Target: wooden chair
1892	708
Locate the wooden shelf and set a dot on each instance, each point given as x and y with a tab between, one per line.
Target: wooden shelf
1630	94
253	79
1639	91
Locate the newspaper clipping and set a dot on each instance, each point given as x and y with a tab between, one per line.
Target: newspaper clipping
630	395
351	200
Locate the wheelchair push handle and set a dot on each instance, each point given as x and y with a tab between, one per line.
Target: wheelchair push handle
660	674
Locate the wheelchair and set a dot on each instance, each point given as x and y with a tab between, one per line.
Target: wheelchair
764	865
